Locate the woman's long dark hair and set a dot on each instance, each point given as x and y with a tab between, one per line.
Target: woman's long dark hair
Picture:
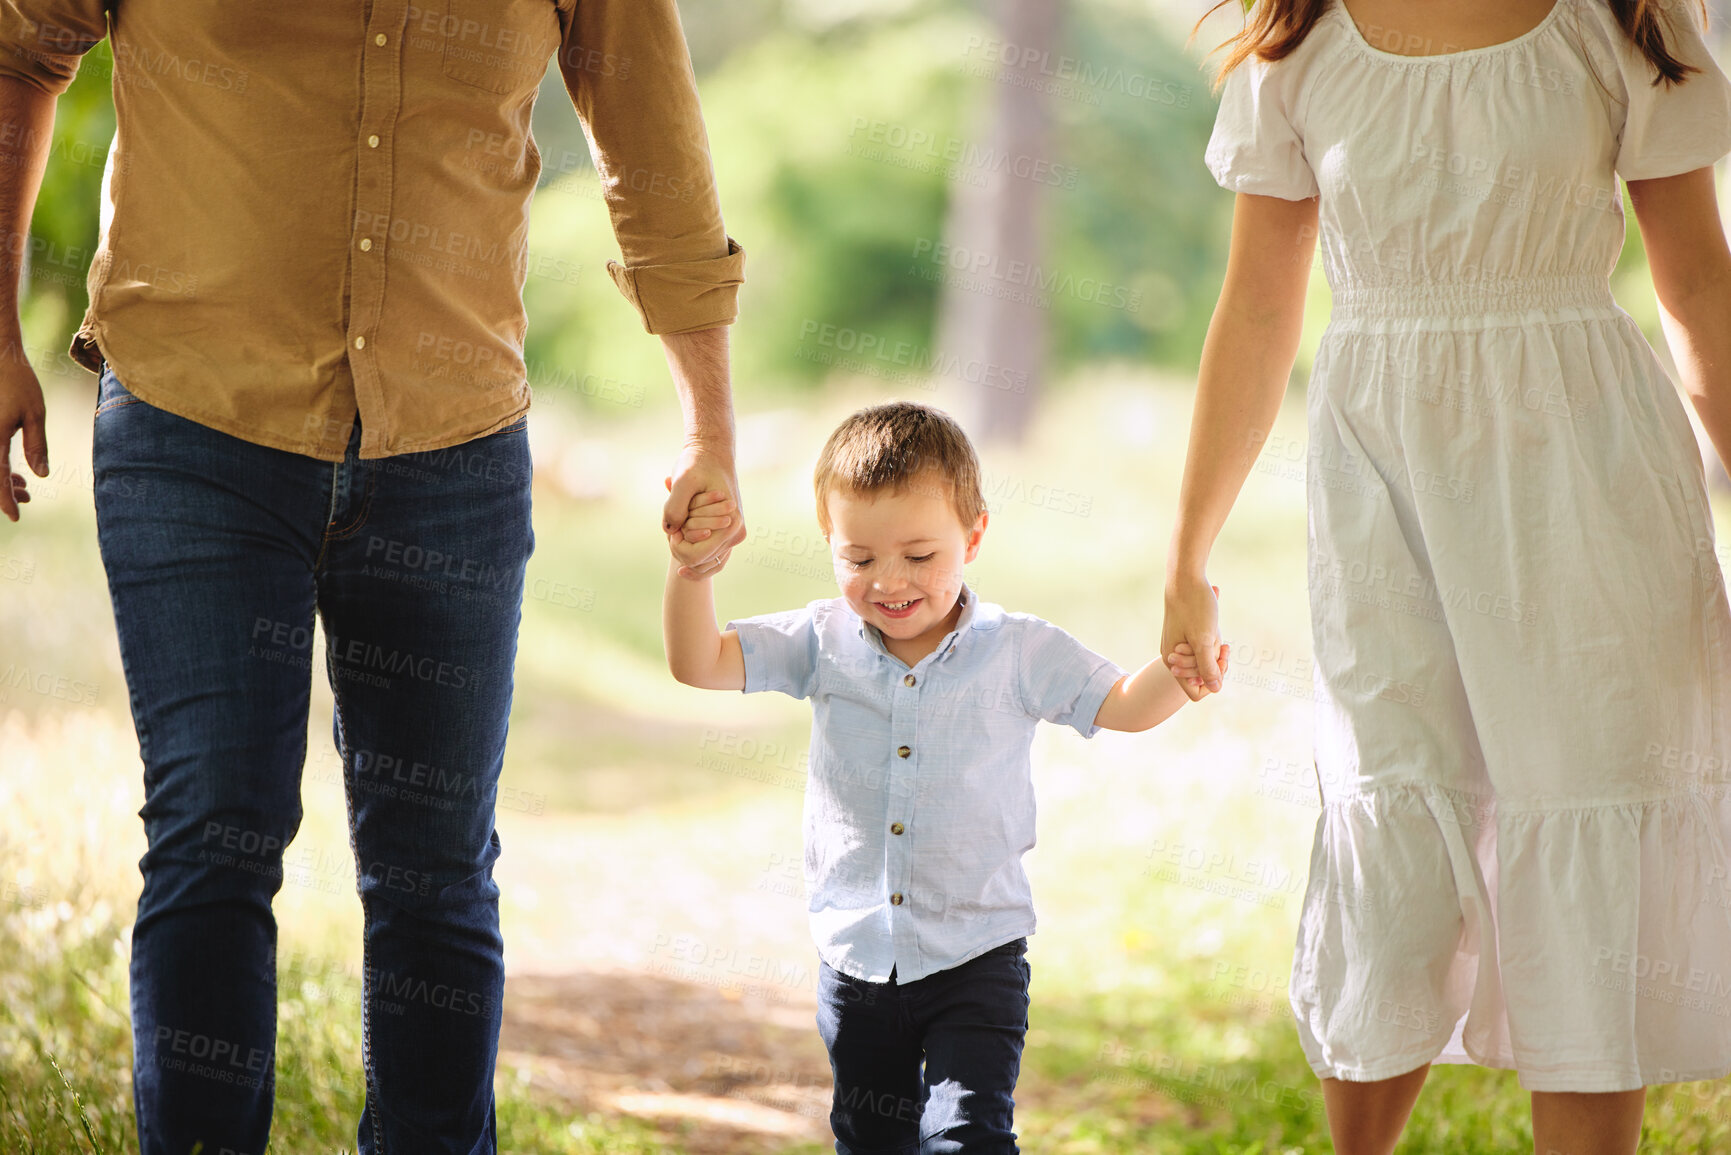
1273	29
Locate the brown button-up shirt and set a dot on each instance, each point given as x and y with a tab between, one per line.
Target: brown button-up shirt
320	209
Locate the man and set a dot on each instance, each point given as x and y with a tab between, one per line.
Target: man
306	312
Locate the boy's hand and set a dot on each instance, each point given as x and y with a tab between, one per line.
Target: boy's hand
710	514
1188	671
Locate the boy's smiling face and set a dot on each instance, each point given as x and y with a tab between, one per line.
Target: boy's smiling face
898	560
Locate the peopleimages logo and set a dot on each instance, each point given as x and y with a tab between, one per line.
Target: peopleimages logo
356	658
436	563
1663	971
864	348
393	989
1067	72
49	685
1042	283
963	154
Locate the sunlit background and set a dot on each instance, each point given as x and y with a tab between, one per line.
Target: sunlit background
661	989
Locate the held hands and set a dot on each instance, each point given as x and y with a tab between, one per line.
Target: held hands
708	518
702	479
21	408
1184	666
1190	640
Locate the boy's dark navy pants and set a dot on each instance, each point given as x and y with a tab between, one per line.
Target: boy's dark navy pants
927	1067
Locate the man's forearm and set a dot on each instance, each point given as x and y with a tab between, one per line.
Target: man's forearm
701	376
26	132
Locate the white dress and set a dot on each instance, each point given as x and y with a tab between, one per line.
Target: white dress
1520	624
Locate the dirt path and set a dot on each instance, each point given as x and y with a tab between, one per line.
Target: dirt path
717	1071
677	988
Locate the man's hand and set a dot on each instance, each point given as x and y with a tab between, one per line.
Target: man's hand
21	409
28	114
699	365
710	514
704	548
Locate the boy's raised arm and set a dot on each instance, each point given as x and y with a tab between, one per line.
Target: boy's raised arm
698	652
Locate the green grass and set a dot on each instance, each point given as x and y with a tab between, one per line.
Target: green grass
1176	1088
65	1058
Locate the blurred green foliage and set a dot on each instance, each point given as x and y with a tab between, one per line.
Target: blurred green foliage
835	153
1146	212
64	228
828	233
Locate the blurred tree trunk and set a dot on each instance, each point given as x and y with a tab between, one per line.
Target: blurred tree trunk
996	223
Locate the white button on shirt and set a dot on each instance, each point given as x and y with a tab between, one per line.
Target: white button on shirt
920	802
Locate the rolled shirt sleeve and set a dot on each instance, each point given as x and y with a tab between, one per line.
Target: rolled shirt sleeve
42	41
1062	680
629	73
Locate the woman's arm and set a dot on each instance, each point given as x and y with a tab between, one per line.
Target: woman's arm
1246	361
1691	265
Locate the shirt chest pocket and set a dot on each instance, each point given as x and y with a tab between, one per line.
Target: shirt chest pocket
499	45
858	729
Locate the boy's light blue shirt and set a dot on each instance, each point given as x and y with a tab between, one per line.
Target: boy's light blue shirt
919	803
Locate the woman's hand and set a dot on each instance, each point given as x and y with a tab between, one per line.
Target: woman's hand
1190	638
1183	666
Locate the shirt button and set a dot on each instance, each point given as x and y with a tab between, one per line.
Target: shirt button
373	141
360	342
908	681
366	244
896	898
379	40
896	828
904	751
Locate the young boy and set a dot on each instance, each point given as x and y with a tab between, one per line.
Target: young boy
919	803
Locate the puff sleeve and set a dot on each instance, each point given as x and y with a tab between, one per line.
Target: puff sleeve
1258	145
1672	128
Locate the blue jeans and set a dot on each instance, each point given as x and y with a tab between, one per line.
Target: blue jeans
927	1067
219	554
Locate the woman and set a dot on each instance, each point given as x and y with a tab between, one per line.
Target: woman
1520	627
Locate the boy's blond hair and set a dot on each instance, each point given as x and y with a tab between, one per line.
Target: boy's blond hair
892	448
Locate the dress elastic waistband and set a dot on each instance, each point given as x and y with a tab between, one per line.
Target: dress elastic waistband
1473	300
